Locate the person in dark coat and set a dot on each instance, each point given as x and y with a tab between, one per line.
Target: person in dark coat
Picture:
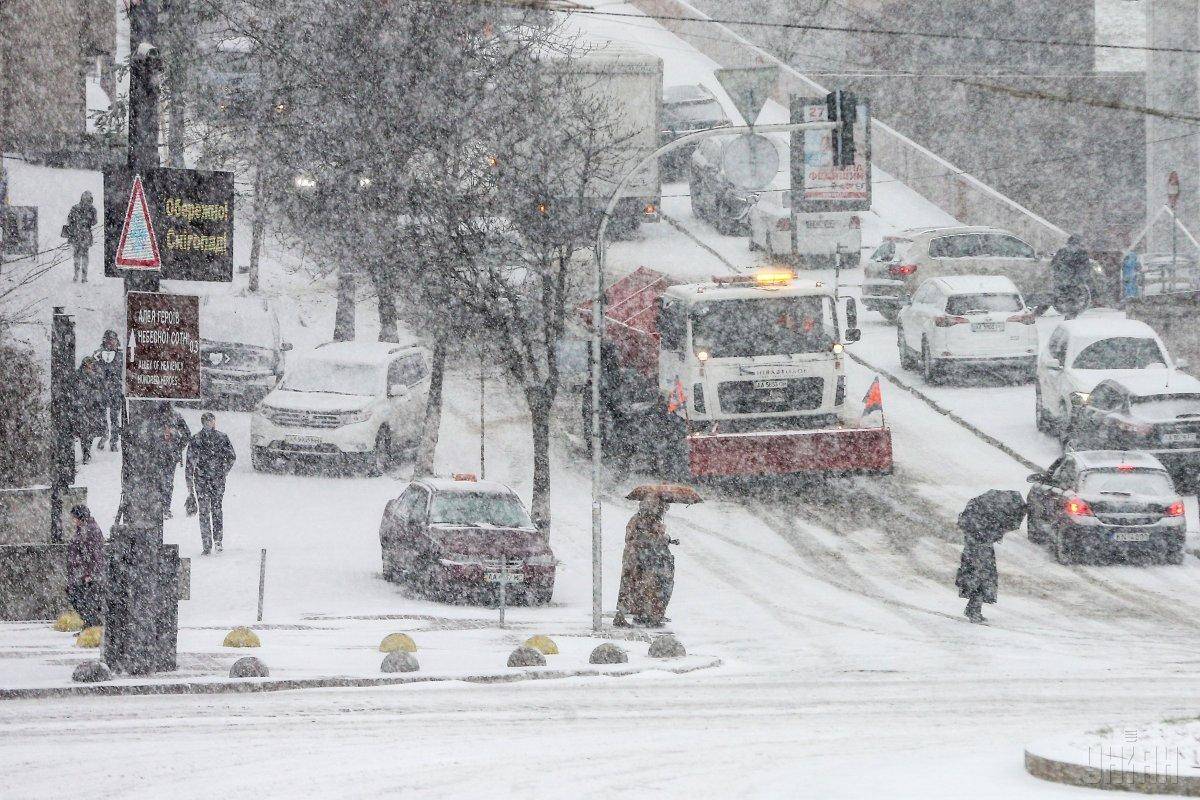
977	578
110	358
210	456
1070	277
647	567
88	417
78	233
85	567
176	436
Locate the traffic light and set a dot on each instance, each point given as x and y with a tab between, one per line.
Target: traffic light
843	109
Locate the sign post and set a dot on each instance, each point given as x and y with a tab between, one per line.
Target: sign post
1173	201
502	577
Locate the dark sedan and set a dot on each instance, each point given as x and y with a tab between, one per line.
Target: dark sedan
1155	411
451	537
1094	505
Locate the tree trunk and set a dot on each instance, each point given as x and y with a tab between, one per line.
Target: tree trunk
433	411
540	405
258	226
389	330
343	323
176	113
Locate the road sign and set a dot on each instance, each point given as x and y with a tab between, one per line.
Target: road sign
818	184
138	248
184	219
1173	189
750	162
748	87
162	355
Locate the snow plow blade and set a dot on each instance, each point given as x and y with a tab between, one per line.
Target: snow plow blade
834	451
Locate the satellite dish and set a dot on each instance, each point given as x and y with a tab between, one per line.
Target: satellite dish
750	162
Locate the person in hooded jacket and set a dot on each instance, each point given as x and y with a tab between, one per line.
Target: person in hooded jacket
110	358
87	419
977	578
78	233
85	567
647	567
1070	277
176	436
210	456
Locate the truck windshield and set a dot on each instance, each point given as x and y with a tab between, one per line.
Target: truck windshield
769	327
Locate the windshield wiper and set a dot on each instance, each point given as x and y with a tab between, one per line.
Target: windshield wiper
1119	494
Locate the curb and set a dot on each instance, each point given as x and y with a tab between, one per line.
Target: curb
251	686
677	225
1090	777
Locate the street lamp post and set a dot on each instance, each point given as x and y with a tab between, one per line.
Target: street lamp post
598	317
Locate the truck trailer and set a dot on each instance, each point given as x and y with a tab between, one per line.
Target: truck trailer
740	376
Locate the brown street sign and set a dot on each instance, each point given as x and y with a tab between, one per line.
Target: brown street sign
162	352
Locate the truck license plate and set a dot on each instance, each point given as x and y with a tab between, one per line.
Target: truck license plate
987	327
1131	536
770	384
1179	438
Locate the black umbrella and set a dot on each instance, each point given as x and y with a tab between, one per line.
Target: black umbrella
993	514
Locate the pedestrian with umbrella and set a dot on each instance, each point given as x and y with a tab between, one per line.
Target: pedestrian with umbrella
984	521
647	565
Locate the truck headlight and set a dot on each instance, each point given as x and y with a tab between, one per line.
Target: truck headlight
355	417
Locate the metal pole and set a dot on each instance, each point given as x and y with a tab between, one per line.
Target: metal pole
262	581
598	319
503	585
482	421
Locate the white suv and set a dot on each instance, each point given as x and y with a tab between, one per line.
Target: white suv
967	320
355	401
1084	351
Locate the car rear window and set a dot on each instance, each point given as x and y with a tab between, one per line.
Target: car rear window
966	303
1120	352
483	509
1138	481
1166	406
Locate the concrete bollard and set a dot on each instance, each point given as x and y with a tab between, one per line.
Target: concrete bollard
543	644
608	653
667	646
397	641
249	667
241	636
399	661
91	672
526	657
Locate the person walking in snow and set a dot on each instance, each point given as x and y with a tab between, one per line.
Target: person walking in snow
78	233
85	567
647	567
176	436
1070	278
210	456
87	418
110	358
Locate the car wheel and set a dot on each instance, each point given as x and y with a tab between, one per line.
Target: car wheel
907	359
931	370
1034	532
1064	425
1174	553
390	573
380	460
259	461
1041	418
1066	551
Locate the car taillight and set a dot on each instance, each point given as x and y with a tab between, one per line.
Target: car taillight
855	223
902	270
784	224
1023	319
1176	509
1078	508
944	321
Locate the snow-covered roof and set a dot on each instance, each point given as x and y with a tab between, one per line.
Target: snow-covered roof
977	284
950	230
1110	459
688	92
1094	327
692	293
1149	382
362	352
476	487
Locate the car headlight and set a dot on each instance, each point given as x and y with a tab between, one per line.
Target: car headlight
269	413
354	417
1080	398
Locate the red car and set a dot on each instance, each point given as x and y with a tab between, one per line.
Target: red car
447	535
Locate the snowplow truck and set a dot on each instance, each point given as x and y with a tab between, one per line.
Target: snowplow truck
741	376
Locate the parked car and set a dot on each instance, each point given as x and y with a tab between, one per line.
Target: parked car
715	199
967	321
445	535
1154	411
347	402
1084	351
902	262
819	236
241	351
1095	504
686	109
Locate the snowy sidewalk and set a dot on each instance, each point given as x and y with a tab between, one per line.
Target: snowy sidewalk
36	660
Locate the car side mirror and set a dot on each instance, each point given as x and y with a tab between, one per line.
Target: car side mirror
851	317
397	390
1038	477
853	335
286	346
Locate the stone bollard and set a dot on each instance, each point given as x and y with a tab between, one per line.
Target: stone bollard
397	641
543	644
609	653
399	661
526	657
667	646
249	667
91	672
241	636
